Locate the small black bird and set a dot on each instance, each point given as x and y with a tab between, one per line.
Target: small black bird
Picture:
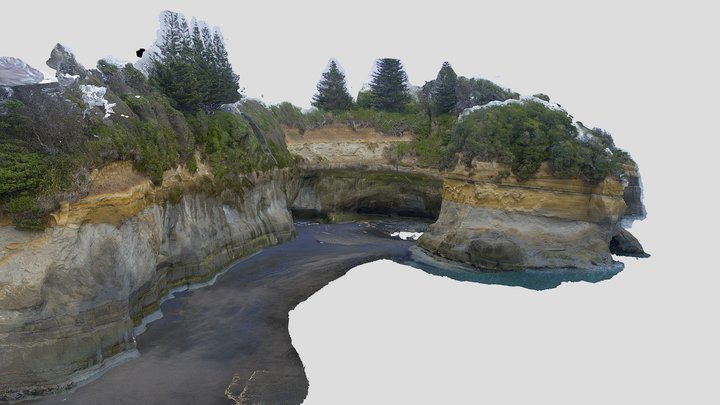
140	52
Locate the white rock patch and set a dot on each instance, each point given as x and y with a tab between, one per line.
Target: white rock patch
407	235
94	96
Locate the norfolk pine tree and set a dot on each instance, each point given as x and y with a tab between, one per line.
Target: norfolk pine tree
443	90
193	71
332	94
389	86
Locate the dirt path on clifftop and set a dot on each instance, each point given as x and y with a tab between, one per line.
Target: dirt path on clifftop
231	340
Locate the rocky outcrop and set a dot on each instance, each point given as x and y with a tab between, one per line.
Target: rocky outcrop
491	221
56	122
71	296
15	72
633	194
64	62
341	145
623	243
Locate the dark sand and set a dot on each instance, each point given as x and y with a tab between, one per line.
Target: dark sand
231	339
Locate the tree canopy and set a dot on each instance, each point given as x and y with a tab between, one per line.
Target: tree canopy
332	94
193	69
389	86
443	91
525	134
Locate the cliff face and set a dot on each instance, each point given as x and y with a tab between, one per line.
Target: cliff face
493	222
71	296
487	218
346	171
332	193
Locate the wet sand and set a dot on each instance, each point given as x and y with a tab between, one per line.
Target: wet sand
229	343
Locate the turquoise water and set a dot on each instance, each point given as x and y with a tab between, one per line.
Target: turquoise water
530	279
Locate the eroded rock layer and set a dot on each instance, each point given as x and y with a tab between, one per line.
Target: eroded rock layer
72	295
333	193
491	221
346	171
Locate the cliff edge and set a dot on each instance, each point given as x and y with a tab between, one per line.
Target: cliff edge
496	223
73	294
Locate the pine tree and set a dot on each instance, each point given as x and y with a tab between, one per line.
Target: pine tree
443	90
185	40
224	88
193	70
200	63
171	34
389	86
332	94
173	73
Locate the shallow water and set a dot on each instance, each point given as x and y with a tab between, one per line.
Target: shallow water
531	279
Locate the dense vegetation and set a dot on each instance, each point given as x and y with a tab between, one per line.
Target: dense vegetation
50	140
521	134
48	147
527	134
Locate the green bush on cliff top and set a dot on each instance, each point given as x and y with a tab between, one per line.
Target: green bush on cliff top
527	134
156	137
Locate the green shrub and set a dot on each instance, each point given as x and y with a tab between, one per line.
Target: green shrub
175	194
21	170
527	134
106	67
282	156
521	134
25	213
502	175
193	166
475	91
134	77
432	138
566	158
269	127
318	118
289	115
364	99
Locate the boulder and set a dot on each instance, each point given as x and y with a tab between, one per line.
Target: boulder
625	244
64	63
493	250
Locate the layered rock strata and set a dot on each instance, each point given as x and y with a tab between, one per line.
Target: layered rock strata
334	193
491	221
71	296
346	171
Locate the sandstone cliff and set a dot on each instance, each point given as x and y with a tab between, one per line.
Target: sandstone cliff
491	221
345	171
488	219
71	296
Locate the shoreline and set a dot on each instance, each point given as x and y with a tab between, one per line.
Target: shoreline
231	341
346	246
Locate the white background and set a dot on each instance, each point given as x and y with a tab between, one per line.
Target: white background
645	71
